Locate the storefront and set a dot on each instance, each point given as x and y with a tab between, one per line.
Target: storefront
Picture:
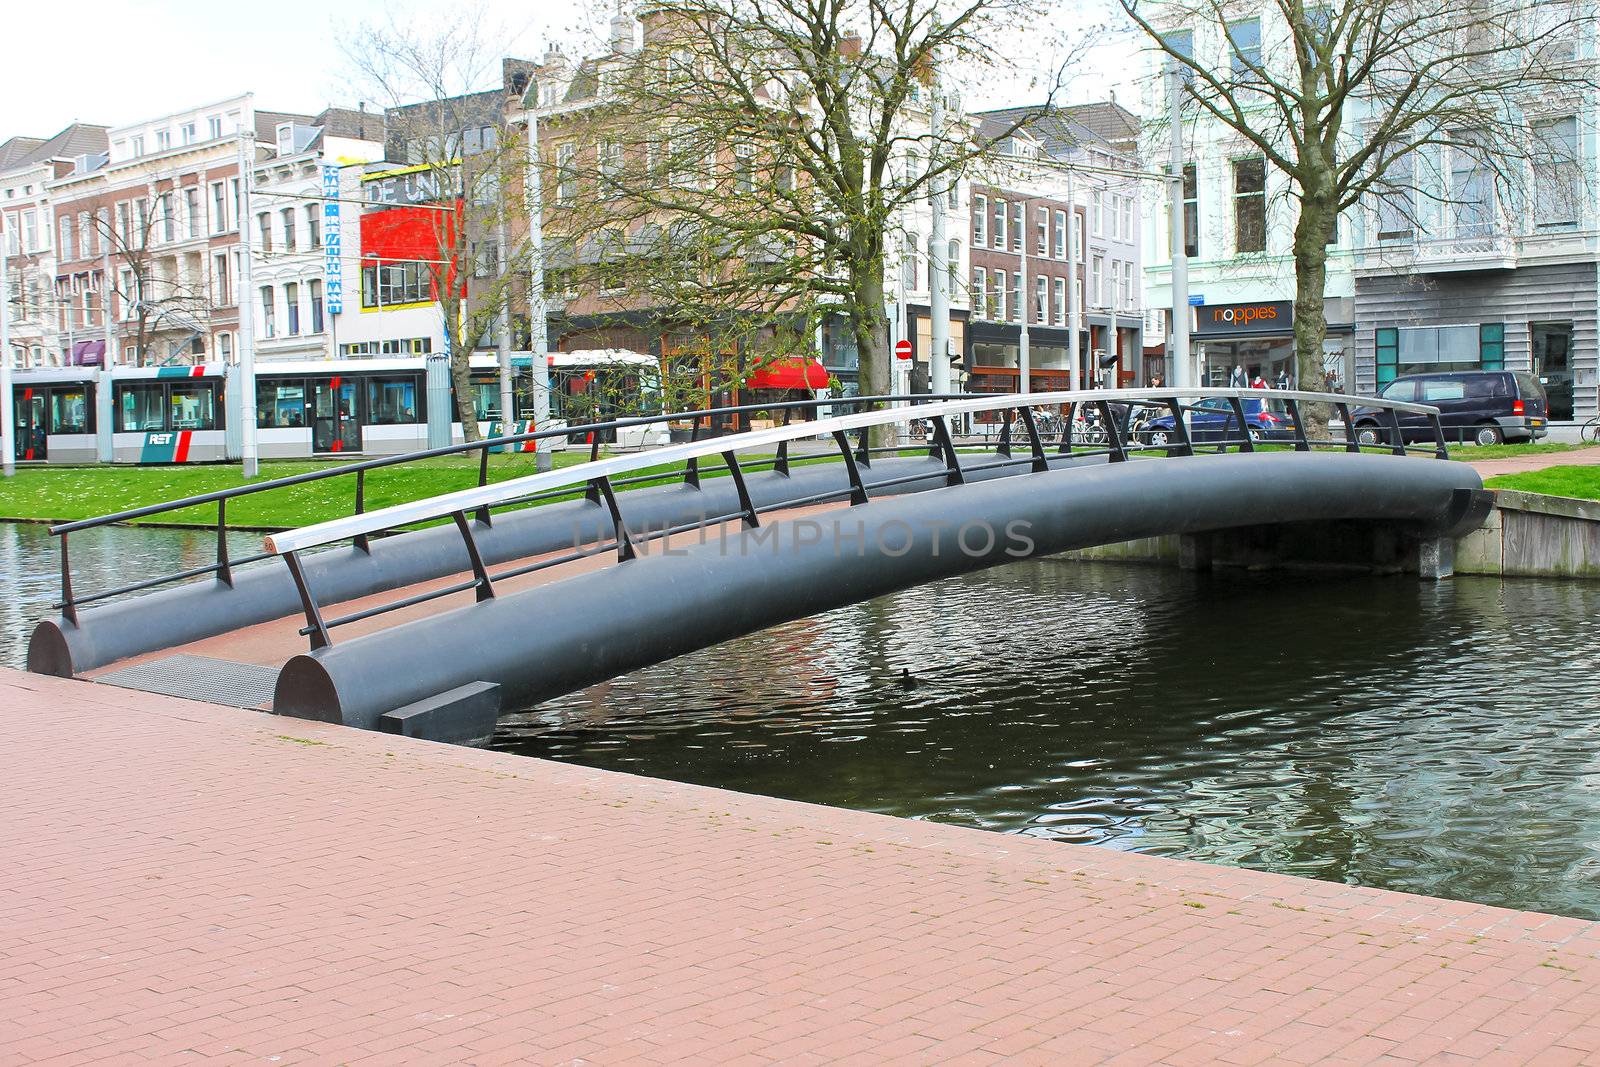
1238	343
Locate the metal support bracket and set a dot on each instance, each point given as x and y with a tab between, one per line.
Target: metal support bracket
318	631
746	506
224	571
1119	451
1245	444
479	571
625	547
1040	464
952	464
858	490
1301	443
1351	444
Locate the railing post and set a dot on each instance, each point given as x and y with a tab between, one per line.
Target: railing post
745	504
1245	444
858	489
1004	448
319	631
1040	464
1119	452
1301	443
1351	444
69	607
625	549
952	463
863	453
1442	452
224	571
691	469
362	541
1399	448
483	480
1071	416
1180	426
479	571
781	464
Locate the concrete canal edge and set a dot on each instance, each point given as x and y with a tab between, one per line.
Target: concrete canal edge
1526	535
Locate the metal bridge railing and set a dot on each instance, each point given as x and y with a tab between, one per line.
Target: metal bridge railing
599	478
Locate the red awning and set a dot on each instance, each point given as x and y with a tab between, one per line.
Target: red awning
789	374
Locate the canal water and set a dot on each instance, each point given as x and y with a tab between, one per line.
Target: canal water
1435	738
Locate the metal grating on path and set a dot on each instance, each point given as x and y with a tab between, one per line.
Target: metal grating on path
215	681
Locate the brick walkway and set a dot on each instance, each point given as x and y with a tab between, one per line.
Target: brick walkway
183	881
1581	457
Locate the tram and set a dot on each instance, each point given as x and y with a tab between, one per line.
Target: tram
310	408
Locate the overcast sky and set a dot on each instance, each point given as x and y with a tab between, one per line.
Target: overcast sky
118	61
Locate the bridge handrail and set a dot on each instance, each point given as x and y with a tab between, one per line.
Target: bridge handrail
490	495
361	466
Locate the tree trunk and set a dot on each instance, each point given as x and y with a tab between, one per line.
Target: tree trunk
461	383
872	344
1311	236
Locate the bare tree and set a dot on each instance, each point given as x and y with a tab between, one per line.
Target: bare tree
161	294
1353	101
745	167
445	90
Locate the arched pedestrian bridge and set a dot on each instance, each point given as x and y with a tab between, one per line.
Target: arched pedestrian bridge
433	616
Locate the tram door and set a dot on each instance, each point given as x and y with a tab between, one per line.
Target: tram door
33	423
335	426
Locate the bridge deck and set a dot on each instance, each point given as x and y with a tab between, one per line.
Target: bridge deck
273	643
185	880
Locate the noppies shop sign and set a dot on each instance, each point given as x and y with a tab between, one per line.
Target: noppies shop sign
1268	316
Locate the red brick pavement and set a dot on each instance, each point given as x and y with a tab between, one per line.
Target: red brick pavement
185	882
1538	461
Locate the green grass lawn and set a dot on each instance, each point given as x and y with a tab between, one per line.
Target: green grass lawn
1580	482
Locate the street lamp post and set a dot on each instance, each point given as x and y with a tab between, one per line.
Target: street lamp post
8	422
246	297
537	327
1178	375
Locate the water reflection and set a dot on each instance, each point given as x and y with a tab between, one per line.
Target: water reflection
1431	738
104	558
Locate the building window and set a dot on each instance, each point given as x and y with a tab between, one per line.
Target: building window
1127	285
1044	231
64	242
1244	43
1250	205
313	226
191	209
289	236
291	308
267	312
1016	296
219	207
908	264
1558	179
997	295
980	221
393	284
979	278
566	173
1041	300
952	264
138	146
1097	209
1096	281
1127	218
221	290
214	127
1000	216
30	231
264	231
1181	43
1061	235
188	133
1019	227
1471	184
1061	301
314	290
225	347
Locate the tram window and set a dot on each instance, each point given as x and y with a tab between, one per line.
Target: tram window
486	399
392	400
281	404
69	412
194	407
141	407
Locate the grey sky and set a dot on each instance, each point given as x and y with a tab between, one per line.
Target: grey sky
116	61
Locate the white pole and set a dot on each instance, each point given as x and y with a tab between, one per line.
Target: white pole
1179	373
507	408
540	343
1074	311
1024	359
246	297
8	424
938	255
902	323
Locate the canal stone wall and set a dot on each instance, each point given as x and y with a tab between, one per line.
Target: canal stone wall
1524	535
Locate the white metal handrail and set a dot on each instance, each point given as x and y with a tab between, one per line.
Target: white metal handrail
467	500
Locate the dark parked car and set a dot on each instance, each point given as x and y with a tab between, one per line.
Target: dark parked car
1212	419
1486	407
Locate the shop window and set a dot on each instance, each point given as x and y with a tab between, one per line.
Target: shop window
1425	349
